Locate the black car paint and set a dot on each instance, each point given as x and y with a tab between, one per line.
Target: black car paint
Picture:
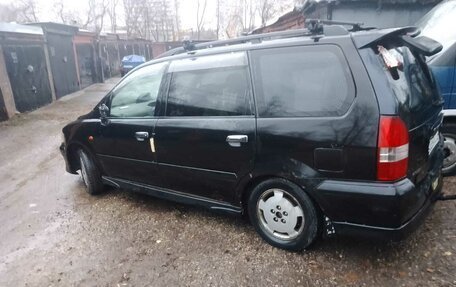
297	149
190	148
422	123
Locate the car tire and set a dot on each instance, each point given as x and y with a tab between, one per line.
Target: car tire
449	162
90	174
283	214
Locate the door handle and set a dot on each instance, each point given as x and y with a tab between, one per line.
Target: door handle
236	140
141	136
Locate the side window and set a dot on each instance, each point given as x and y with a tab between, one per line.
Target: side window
136	95
210	86
302	81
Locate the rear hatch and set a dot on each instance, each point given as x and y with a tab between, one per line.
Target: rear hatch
406	88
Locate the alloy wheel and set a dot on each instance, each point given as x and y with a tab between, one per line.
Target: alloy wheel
280	214
450	153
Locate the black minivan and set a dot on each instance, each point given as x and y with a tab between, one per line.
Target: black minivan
326	130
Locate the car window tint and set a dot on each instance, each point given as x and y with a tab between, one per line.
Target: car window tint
302	81
412	83
137	94
209	92
235	59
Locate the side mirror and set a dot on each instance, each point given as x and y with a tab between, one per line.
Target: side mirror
104	113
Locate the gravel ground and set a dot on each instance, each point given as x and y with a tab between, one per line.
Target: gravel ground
54	234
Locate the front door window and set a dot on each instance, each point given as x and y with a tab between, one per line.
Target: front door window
136	96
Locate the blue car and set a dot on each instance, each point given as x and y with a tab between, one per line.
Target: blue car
129	62
440	24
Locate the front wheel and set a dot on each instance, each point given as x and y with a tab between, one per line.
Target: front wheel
283	214
449	162
90	174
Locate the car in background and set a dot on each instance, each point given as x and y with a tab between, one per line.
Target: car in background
129	62
439	24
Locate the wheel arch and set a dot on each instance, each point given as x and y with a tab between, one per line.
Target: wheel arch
73	157
307	185
448	129
449	116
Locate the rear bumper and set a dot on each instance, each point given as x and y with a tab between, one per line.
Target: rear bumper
382	211
391	233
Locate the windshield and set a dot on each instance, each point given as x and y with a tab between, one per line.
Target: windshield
439	23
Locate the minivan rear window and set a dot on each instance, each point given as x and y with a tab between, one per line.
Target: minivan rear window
412	83
302	81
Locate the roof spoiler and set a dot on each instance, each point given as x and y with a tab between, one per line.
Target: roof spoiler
423	44
407	35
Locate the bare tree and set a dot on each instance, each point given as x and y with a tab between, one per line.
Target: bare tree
97	10
23	11
249	15
9	13
66	15
132	9
200	13
267	10
91	18
218	15
176	35
242	16
239	17
152	19
29	10
112	13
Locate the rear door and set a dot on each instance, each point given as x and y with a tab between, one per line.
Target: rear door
317	117
415	98
205	141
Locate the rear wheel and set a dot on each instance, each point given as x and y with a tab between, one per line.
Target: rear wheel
449	162
283	214
90	174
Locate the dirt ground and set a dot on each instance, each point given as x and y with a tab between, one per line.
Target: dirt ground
54	234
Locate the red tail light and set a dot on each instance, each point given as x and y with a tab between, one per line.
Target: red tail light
393	149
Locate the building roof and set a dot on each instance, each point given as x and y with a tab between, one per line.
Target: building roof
20	29
59	28
295	18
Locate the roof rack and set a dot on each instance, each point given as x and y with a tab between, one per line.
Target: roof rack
188	46
315	27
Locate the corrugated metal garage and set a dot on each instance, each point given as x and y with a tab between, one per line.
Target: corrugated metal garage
26	65
59	39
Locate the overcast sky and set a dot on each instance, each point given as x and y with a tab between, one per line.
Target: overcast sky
187	11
